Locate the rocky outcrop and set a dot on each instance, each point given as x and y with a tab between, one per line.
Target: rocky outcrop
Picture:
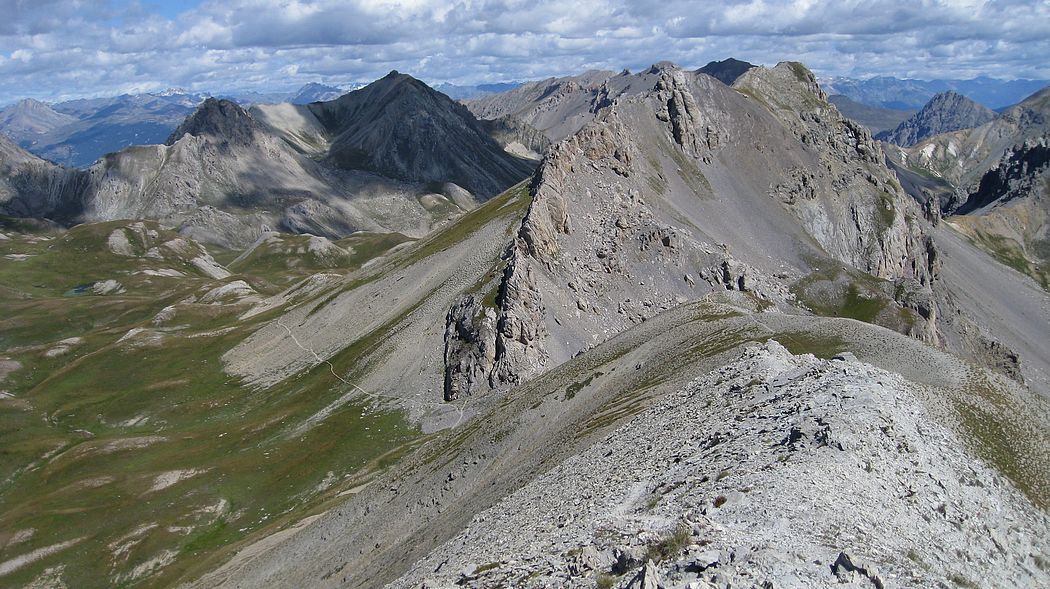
520	329
944	113
1018	174
470	347
680	111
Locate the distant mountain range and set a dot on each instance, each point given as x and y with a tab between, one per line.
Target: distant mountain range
875	118
394	156
78	132
904	94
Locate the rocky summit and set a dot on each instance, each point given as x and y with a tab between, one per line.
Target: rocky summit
944	113
670	328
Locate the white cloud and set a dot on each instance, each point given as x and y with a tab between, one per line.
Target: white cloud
53	48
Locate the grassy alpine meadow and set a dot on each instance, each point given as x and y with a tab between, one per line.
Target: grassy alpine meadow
130	458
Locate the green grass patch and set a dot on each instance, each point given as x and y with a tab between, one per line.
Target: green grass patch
886	212
798	342
836	291
513	203
576	387
486	567
151	435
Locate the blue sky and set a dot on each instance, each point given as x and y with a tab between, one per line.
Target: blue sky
55	49
168	9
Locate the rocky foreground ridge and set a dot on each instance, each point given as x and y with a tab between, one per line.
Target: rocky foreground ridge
774	470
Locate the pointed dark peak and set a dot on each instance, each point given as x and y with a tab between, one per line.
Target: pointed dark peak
727	70
217	118
401	128
395	90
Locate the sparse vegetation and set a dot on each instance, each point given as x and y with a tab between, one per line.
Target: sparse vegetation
576	387
1010	253
986	415
486	567
961	581
669	546
835	291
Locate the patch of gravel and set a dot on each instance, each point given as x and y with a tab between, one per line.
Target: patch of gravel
172	477
7	366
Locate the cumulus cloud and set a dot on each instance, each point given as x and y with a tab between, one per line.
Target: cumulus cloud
61	48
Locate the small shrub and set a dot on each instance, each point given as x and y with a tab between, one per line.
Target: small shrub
605	581
961	581
669	546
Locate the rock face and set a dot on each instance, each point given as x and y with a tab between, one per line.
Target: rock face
1017	175
774	470
32	187
944	113
470	331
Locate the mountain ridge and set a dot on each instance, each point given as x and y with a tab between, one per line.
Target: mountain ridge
227	176
423	405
